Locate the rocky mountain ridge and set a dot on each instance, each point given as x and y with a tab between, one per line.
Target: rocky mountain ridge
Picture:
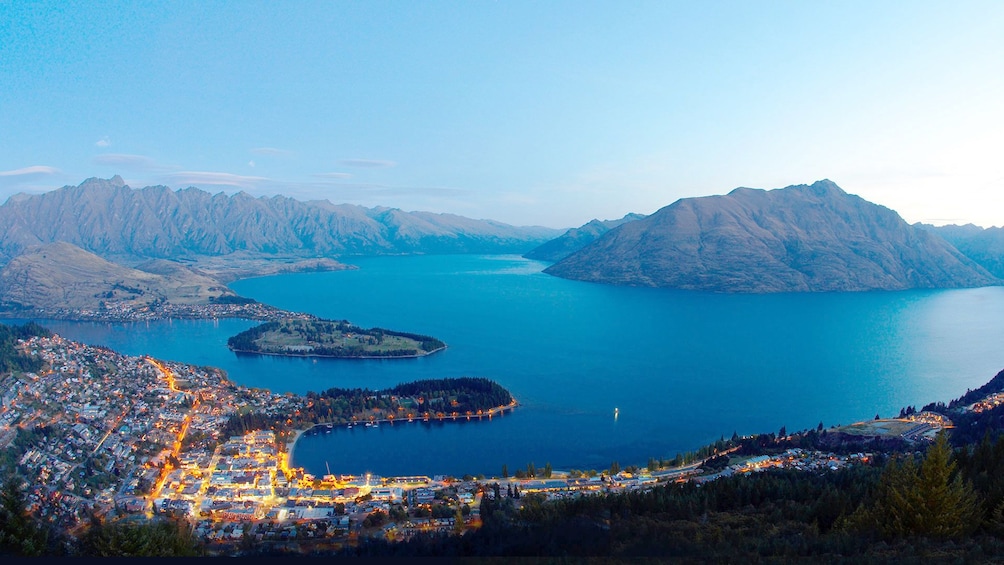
803	238
110	219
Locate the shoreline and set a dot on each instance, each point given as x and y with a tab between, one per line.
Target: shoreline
291	446
491	413
306	356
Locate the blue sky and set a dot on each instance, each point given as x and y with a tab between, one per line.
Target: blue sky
549	113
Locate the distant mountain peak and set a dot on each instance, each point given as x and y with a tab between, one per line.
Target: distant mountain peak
746	190
826	187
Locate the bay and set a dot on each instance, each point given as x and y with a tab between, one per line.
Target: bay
681	368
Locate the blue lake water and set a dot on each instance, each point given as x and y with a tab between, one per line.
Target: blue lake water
682	368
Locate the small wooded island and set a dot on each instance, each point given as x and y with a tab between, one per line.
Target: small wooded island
316	337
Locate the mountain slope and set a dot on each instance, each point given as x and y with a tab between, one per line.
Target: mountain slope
576	238
110	219
800	238
984	246
63	276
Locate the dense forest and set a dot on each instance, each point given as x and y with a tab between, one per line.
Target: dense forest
10	358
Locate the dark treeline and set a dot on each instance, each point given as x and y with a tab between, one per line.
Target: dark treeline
971	427
10	358
244	341
928	507
471	393
240	424
360	351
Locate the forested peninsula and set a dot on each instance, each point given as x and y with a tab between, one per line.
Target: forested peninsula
298	337
429	399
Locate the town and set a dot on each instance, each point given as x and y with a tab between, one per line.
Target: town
99	435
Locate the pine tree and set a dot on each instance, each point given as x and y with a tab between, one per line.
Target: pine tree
458	522
948	506
931	500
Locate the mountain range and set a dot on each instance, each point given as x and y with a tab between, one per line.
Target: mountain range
110	219
105	241
796	239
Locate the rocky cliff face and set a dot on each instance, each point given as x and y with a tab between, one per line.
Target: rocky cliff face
800	238
110	219
577	238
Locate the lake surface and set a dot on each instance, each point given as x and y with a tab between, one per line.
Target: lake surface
682	368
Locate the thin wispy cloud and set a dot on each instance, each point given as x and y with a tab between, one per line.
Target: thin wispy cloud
367	163
215	179
103	142
33	170
126	161
332	175
271	151
381	190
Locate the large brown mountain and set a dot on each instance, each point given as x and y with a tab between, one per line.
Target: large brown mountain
576	238
800	238
110	219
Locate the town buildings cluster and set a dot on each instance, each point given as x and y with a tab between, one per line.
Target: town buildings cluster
96	432
128	312
988	403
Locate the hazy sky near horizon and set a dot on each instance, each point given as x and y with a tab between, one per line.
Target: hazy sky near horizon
549	113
